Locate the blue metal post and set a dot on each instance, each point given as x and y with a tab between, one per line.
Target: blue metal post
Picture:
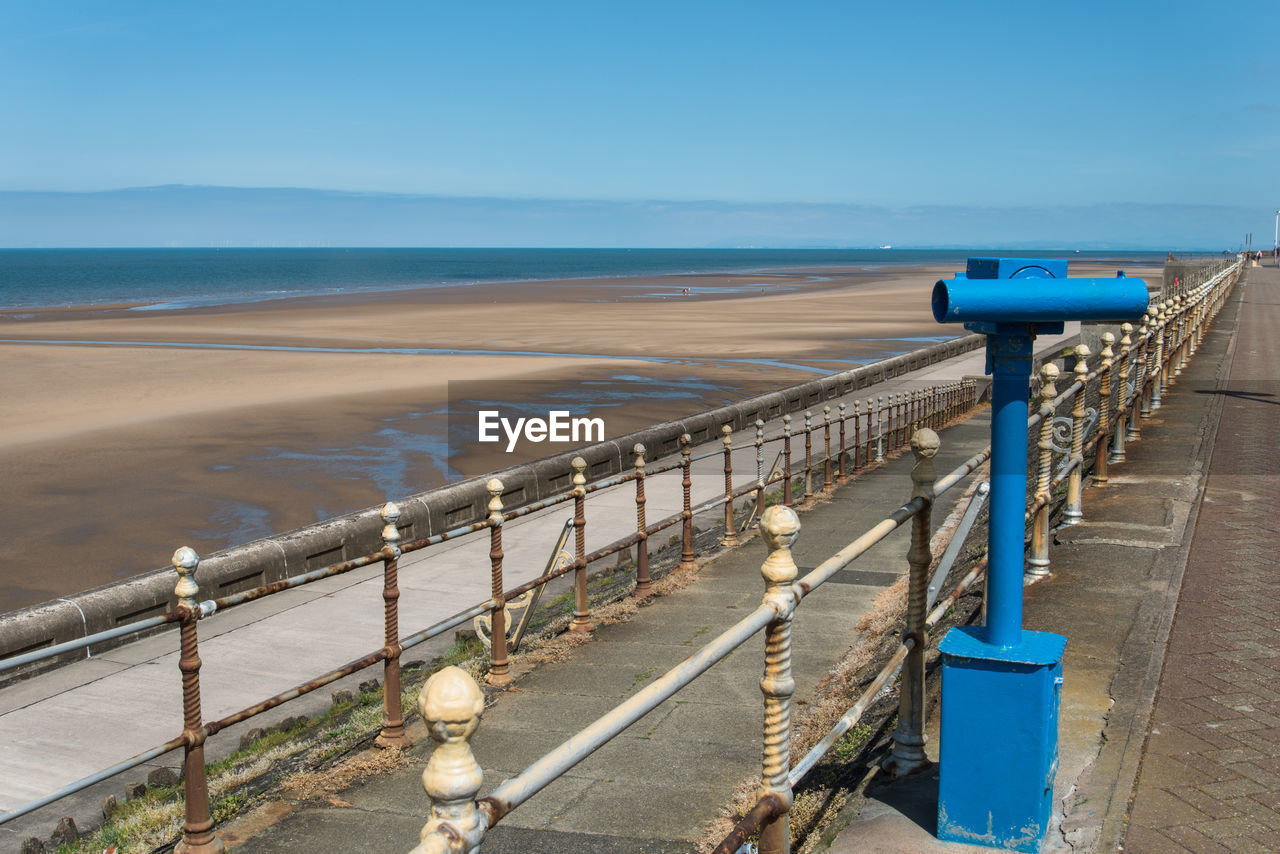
1010	358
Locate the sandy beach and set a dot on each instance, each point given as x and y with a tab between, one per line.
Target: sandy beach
127	433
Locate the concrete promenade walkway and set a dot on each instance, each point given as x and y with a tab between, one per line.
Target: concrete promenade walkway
1191	510
1210	778
71	722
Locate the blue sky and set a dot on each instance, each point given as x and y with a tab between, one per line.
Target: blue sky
893	105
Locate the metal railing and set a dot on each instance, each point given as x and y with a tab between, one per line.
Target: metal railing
862	439
848	443
1129	386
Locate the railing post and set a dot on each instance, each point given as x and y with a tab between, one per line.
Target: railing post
1074	510
1102	441
1158	374
1197	323
581	607
1176	341
759	470
197	824
1197	314
827	483
884	419
1184	315
857	435
908	739
880	428
779	527
908	415
1171	341
498	666
451	704
1146	354
1125	400
904	416
843	474
786	460
1038	562
1193	321
392	734
899	418
1190	306
686	464
895	420
643	584
807	501
1184	325
730	538
1206	313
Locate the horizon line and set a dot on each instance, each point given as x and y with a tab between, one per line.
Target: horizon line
618	200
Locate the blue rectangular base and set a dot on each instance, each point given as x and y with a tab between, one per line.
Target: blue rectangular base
999	738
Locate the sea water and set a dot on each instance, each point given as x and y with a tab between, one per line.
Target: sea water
181	278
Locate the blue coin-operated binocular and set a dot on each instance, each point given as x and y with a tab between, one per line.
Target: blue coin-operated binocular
1001	684
996	291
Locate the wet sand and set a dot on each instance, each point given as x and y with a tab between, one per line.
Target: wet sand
139	431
